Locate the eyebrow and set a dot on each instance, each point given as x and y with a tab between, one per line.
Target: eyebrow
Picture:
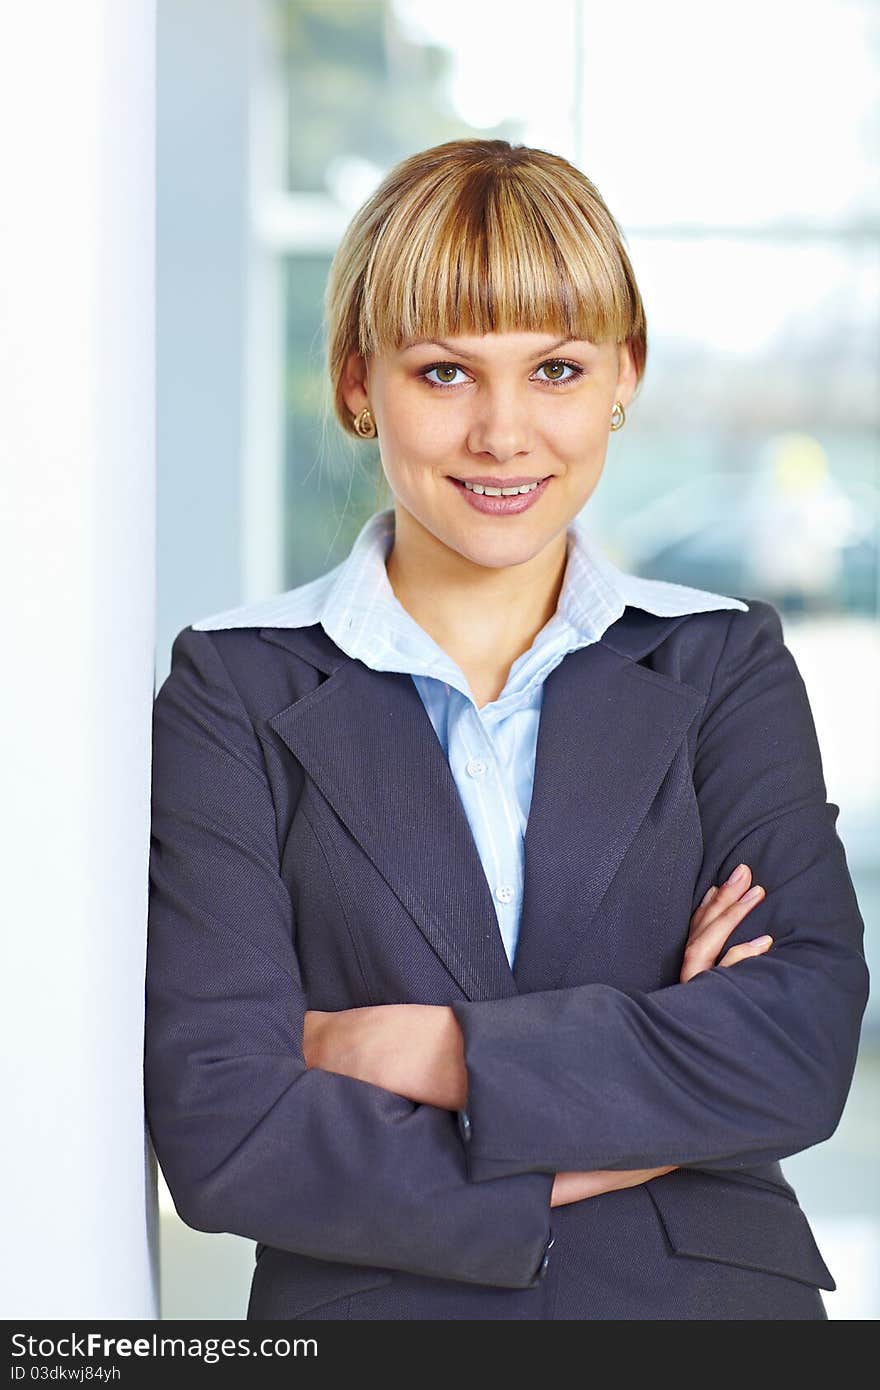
457	352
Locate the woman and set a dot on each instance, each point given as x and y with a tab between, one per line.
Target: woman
444	841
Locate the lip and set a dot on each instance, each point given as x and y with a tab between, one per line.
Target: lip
490	481
502	506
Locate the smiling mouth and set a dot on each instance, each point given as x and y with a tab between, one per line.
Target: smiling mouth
483	489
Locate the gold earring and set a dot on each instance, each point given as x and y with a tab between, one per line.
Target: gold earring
620	413
365	425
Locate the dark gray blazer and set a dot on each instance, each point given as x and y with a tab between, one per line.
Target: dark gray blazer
309	850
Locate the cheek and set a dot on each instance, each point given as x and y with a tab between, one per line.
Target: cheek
581	454
418	441
578	425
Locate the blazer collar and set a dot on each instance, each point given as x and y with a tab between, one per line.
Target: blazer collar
608	731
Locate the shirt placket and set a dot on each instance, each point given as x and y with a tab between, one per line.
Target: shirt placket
474	753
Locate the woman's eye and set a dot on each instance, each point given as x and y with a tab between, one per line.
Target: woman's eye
557	367
447	374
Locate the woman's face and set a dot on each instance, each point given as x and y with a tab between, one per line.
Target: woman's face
507	408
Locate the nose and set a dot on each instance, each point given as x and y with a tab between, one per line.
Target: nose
500	425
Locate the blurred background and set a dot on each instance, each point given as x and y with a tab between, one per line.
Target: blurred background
737	146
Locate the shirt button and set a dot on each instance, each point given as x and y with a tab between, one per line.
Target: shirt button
504	893
464	1125
476	767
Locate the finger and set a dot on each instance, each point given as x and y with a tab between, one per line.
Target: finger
723	895
712	935
703	947
746	949
702	908
720	897
729	892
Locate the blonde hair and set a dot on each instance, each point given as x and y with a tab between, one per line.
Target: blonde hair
479	236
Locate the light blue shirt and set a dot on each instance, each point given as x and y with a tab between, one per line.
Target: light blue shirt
491	751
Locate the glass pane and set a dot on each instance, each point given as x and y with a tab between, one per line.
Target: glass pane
734	115
749	462
330	482
370	82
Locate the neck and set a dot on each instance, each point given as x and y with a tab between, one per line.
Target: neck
480	616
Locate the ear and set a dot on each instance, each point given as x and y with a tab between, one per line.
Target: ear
627	376
354	383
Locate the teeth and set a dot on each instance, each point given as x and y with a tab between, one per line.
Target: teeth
500	491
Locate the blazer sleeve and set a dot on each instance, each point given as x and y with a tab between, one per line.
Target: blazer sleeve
742	1064
250	1140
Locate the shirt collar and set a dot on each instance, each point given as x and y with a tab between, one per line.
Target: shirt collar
346	599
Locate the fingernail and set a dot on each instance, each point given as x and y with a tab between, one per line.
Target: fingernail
738	874
763	940
752	894
708	895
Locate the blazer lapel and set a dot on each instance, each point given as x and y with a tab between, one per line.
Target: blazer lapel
607	734
366	741
608	731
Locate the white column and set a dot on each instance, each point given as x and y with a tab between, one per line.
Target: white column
77	547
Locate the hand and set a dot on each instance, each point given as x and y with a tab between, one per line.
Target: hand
416	1050
574	1187
721	910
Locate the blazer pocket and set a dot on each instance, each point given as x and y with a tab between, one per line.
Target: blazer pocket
286	1284
738	1223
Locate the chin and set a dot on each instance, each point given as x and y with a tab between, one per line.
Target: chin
500	552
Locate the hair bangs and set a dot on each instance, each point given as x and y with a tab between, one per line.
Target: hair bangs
494	261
